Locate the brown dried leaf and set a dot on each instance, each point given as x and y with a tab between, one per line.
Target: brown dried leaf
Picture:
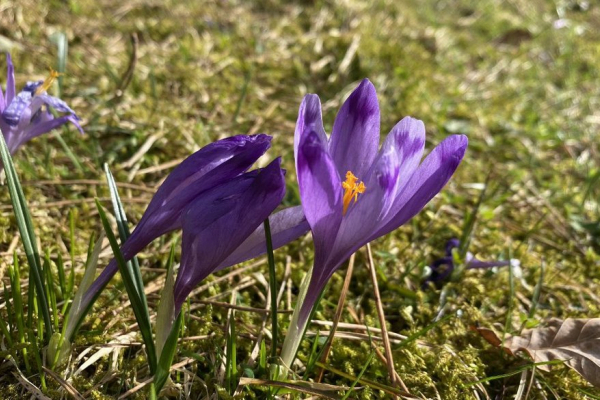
488	334
574	341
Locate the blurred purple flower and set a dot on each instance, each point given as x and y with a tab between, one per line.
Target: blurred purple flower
443	267
344	215
26	114
210	167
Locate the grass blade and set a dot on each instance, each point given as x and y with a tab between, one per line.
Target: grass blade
25	225
133	265
168	353
141	314
15	287
231	362
273	286
72	323
166	308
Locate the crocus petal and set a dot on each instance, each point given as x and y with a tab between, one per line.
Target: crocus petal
355	135
437	273
395	164
477	264
452	244
224	159
320	192
431	176
310	119
10	80
286	225
398	159
13	114
217	223
40	128
51	101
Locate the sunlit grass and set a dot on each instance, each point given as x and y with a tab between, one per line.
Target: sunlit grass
525	93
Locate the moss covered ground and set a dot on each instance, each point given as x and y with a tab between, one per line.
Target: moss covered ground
154	81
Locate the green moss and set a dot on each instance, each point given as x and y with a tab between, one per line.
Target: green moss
524	92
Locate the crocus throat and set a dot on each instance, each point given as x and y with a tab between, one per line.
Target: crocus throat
352	188
48	82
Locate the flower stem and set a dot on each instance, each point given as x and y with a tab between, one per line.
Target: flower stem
336	317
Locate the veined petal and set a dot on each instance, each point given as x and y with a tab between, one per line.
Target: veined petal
218	222
355	136
10	80
431	176
320	192
286	225
310	119
398	160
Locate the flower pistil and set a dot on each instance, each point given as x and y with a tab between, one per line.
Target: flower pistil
47	82
352	188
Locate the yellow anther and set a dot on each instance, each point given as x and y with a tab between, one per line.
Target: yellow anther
351	190
48	82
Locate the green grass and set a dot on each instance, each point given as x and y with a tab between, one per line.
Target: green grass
525	93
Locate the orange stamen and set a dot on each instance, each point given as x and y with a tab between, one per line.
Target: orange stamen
351	190
48	82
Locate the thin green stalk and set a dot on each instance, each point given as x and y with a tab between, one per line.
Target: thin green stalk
231	361
28	237
124	233
360	374
152	391
15	285
38	361
72	252
243	94
141	314
5	332
273	287
50	290
9	309
62	277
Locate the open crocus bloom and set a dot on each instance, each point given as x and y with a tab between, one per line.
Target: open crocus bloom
196	177
352	192
26	114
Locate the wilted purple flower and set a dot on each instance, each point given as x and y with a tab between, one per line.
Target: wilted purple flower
382	189
208	168
26	114
443	267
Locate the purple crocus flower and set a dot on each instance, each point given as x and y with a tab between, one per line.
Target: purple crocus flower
208	168
214	225
351	191
26	114
443	267
217	223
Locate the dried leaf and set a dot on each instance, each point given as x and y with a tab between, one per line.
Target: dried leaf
574	341
488	334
